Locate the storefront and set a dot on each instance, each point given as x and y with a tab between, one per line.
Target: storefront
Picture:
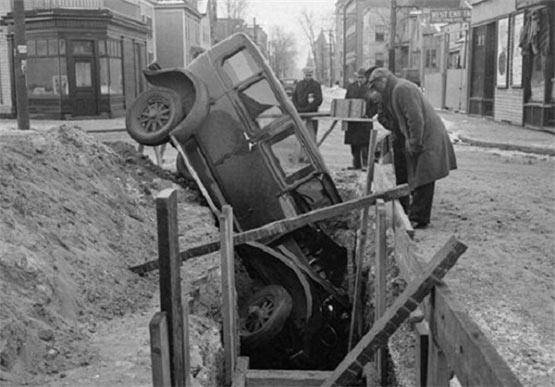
511	68
83	63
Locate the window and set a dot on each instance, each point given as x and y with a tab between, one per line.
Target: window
431	58
289	153
82	47
379	33
46	68
240	66
83	76
379	59
111	78
258	99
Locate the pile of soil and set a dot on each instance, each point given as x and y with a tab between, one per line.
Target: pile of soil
75	214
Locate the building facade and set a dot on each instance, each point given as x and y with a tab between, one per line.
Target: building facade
84	58
512	67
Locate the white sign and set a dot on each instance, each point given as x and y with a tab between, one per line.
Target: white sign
22	49
502	52
449	15
516	70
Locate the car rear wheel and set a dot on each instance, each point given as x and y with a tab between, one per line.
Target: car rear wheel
153	115
267	311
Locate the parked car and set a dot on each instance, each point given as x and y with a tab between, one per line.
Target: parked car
243	142
289	85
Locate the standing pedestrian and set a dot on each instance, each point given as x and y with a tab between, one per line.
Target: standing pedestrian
357	134
428	149
307	97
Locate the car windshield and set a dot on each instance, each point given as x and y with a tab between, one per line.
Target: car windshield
260	100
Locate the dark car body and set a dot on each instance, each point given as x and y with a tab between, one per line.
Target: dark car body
241	140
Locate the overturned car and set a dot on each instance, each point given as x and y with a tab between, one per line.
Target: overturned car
241	139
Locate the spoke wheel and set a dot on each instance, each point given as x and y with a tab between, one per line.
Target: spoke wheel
153	115
265	315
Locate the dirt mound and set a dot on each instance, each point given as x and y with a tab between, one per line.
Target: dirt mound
74	215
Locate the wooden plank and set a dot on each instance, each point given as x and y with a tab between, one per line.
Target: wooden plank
160	350
422	333
380	285
369	372
348	371
327	133
356	311
285	378
438	369
468	352
284	226
229	299
240	375
170	282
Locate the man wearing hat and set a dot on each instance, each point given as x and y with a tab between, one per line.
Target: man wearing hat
307	97
429	152
357	134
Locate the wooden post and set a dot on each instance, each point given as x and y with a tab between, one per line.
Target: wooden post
240	376
380	284
438	369
422	333
160	351
231	338
170	284
20	48
356	313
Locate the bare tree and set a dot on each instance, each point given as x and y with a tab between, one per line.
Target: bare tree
282	47
308	23
236	9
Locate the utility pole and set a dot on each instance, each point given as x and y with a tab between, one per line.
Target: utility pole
332	75
20	53
392	31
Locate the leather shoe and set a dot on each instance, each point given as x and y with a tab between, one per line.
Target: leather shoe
352	168
419	225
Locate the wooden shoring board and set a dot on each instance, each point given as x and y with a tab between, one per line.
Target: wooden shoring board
284	226
355	329
286	378
347	372
468	352
160	351
229	298
380	285
170	286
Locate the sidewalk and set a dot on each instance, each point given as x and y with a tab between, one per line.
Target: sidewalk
491	134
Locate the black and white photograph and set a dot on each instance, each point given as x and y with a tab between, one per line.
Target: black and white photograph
263	193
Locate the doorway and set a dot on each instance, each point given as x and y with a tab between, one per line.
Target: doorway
482	75
83	79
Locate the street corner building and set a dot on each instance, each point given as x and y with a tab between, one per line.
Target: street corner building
84	57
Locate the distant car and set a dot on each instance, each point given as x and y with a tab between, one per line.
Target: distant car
289	85
243	142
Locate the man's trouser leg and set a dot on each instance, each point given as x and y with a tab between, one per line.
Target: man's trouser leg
355	152
421	206
364	155
400	167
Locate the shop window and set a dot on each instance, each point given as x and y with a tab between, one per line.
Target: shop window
53	47
240	66
42	48
116	79
431	58
101	47
31	48
43	77
104	76
62	47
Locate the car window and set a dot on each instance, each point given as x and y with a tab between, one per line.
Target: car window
289	153
240	66
259	100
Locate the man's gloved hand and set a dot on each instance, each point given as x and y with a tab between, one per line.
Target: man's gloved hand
414	149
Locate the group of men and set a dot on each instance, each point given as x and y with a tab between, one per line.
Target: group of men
422	150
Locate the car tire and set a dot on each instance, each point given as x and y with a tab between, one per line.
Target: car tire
153	115
181	167
267	311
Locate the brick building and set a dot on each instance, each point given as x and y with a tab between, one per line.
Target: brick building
84	58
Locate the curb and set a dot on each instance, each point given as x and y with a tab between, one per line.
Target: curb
504	146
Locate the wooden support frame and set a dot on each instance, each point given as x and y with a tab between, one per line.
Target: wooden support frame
229	298
170	287
356	313
380	285
160	351
468	352
349	369
284	226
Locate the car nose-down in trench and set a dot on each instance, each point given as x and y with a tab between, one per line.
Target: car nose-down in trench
242	141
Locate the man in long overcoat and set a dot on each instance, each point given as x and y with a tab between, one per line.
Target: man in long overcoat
307	97
429	152
357	134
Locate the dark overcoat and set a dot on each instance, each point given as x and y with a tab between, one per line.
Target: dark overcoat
430	154
300	96
357	133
